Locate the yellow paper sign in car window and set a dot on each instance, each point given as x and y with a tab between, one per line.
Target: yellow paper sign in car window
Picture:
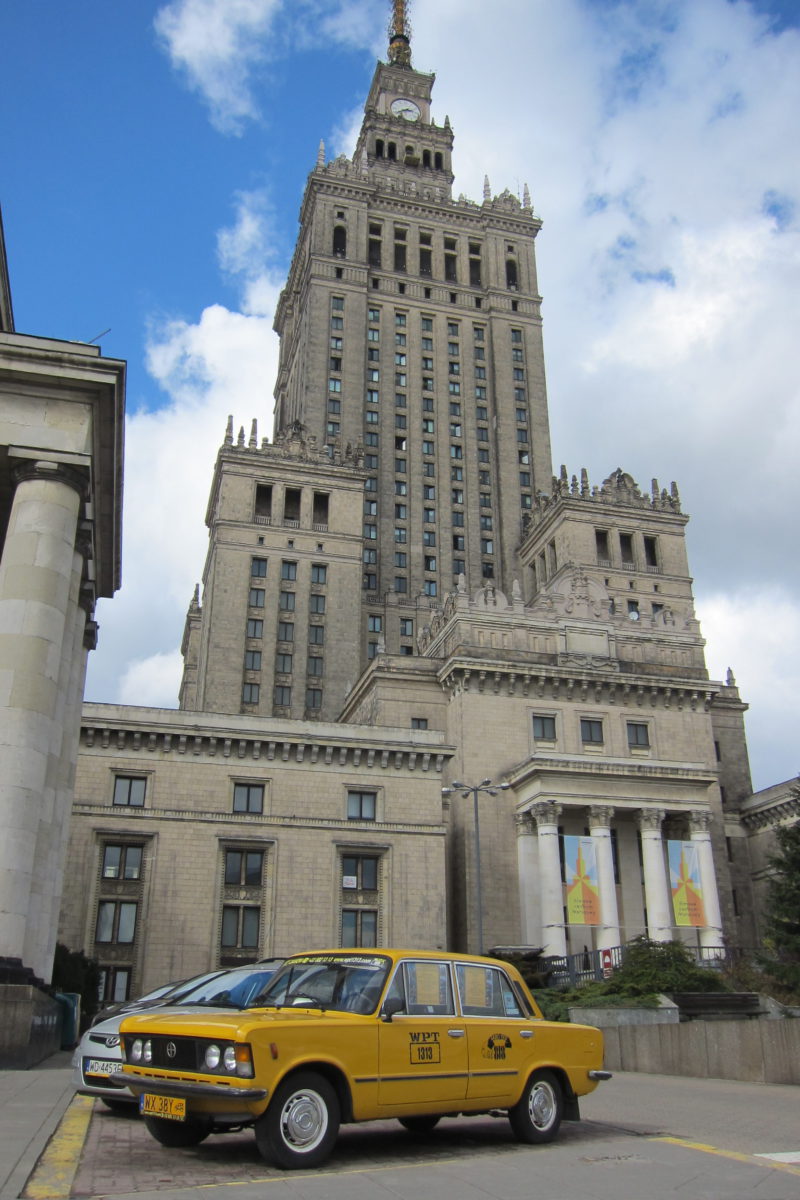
477	987
429	984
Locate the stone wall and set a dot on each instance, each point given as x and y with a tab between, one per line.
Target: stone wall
30	1026
753	1051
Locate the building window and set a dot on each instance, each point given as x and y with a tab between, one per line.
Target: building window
129	791
419	722
315	665
114	984
252	660
360	872
316	635
359	927
250	693
282	696
544	728
591	732
116	921
286	601
258	567
256	598
316	604
283	664
406	627
244	868
313	699
248	797
638	735
400	583
361	806
240	926
122	862
374	623
285	631
288	570
429	587
255	627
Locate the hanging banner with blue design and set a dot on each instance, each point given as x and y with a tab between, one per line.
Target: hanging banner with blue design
685	883
583	885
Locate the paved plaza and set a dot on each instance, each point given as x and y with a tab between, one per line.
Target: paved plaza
643	1136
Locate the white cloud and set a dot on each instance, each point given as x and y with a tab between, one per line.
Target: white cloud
224	363
216	43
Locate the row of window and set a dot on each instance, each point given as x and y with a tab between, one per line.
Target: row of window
130	791
592	731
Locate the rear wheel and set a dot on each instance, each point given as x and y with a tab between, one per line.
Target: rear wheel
301	1125
419	1124
537	1116
177	1133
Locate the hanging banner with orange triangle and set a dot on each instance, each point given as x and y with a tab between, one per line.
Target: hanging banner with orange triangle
583	886
687	889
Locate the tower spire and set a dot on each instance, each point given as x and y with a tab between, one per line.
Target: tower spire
400	35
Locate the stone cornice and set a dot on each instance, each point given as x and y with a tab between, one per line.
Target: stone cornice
245	739
784	811
569	764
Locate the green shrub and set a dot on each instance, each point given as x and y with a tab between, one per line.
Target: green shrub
74	971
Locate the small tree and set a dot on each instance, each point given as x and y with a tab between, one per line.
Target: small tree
782	925
74	971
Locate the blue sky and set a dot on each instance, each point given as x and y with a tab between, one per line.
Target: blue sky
152	166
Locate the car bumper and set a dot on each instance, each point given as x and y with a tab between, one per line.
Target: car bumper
160	1086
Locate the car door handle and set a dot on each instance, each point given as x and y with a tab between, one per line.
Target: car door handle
526	1033
456	1032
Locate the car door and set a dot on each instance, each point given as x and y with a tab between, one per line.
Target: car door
499	1034
423	1057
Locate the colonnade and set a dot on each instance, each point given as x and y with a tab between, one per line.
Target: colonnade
542	889
46	602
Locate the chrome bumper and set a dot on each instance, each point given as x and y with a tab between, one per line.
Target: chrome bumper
185	1087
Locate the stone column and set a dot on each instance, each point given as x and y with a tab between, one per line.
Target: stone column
528	874
656	885
550	886
600	829
37	616
700	835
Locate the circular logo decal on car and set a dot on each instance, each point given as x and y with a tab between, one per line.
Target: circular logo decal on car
172	1049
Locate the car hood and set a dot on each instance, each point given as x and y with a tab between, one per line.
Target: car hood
236	1026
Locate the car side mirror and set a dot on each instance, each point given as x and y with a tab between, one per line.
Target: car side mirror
392	1006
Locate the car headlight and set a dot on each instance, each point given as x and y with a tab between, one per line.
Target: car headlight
147	1052
229	1058
136	1050
212	1056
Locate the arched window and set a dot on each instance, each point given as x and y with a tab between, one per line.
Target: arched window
426	158
438	161
392	152
511	274
340	241
379	147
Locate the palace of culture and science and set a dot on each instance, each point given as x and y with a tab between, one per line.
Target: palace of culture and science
400	593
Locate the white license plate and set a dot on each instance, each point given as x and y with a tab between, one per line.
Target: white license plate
101	1066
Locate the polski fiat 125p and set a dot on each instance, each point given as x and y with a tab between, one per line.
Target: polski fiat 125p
339	1036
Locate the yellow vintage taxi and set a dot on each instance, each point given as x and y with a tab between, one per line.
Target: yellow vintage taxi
339	1036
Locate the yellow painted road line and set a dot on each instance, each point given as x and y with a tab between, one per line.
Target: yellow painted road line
752	1159
54	1173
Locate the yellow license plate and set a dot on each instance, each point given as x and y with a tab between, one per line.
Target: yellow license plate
169	1108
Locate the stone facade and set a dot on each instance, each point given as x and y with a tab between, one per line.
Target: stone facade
61	437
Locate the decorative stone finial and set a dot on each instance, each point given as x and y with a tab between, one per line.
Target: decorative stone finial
253	443
526	196
229	431
240	438
487	189
321	154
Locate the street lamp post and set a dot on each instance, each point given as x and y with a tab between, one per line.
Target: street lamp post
474	790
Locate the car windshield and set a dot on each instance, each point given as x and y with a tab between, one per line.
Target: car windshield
348	982
231	989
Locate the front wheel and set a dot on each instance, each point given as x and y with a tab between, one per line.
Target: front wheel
537	1116
419	1124
301	1125
177	1133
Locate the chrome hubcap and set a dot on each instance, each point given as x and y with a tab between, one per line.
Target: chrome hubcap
542	1106
304	1120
